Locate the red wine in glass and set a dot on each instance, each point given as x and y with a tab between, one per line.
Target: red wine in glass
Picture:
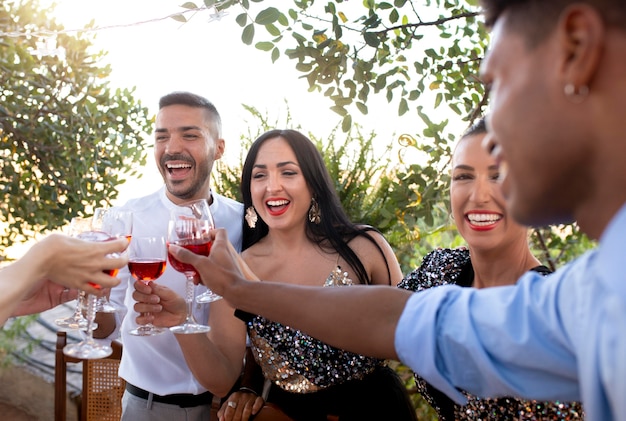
146	270
190	227
146	263
201	248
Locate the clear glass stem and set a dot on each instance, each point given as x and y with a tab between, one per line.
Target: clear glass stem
91	315
189	294
80	302
190	326
76	320
146	330
88	348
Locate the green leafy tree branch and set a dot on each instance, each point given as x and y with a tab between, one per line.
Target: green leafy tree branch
67	139
413	53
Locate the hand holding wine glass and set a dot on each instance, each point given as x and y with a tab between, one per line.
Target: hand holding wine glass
147	257
88	348
202	208
189	227
225	265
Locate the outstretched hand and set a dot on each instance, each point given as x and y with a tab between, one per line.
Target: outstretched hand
44	295
76	263
53	269
222	270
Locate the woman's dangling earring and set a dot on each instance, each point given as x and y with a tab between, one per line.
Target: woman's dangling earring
315	216
251	217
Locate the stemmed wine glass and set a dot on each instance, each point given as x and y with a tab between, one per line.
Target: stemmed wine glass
201	207
88	348
76	320
116	223
146	262
189	227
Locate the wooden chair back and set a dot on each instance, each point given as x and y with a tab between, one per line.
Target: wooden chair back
101	398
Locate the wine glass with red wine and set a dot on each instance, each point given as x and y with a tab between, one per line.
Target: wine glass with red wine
146	262
189	227
88	348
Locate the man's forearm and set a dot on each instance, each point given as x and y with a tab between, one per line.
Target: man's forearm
361	319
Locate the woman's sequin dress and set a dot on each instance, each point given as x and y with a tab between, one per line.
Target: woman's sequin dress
453	266
312	379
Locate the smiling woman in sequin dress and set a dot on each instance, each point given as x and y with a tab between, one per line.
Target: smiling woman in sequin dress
297	232
498	254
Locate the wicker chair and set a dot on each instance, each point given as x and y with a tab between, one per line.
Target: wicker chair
101	399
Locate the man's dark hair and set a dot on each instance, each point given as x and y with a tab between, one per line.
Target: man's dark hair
195	101
535	19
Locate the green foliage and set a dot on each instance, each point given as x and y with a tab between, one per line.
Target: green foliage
66	138
14	329
417	55
411	52
559	244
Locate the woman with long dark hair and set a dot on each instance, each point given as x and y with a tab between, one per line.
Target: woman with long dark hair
296	231
497	253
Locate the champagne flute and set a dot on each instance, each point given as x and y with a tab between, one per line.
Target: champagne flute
147	257
116	223
76	320
189	227
88	348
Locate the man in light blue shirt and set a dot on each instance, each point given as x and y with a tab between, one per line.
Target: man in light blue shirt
557	74
560	338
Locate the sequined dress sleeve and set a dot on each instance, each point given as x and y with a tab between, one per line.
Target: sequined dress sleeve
297	362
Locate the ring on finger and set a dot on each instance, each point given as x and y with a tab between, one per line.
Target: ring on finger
232	404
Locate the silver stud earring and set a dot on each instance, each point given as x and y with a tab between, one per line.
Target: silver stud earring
575	94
